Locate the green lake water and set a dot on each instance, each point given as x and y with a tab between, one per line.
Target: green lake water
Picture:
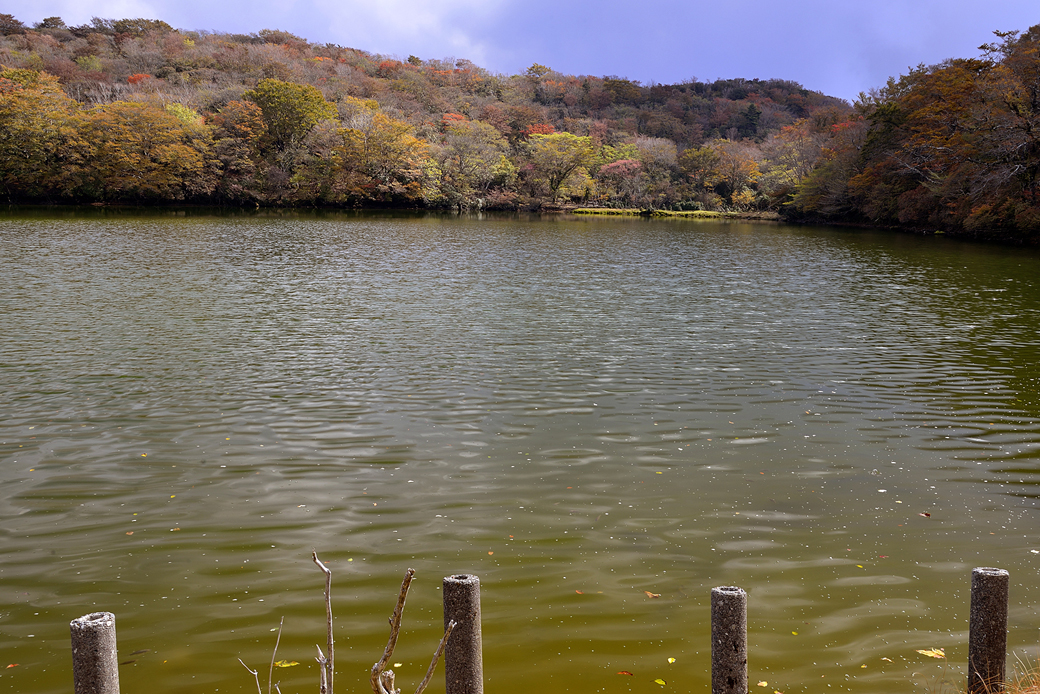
579	411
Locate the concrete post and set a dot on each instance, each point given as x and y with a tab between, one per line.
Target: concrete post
728	641
95	666
987	630
463	655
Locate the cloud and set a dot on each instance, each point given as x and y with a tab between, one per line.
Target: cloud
411	26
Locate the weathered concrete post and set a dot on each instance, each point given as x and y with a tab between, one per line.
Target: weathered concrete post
987	630
95	666
728	641
463	655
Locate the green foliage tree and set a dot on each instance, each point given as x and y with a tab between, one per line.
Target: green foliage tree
290	111
473	160
554	158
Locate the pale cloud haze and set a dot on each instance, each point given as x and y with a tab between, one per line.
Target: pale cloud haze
834	46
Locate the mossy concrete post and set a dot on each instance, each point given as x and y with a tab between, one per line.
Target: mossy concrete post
463	655
728	640
95	666
987	630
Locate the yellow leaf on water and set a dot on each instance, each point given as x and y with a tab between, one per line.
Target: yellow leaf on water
763	683
933	652
888	659
660	682
652	595
285	663
671	660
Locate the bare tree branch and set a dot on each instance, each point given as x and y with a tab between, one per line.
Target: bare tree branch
386	681
323	684
255	675
395	629
436	657
330	663
274	654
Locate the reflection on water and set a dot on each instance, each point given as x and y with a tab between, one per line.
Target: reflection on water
578	411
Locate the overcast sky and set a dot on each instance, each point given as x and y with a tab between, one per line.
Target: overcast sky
839	47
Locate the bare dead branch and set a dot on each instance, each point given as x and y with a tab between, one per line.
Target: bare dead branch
386	681
395	629
274	654
436	657
330	663
255	675
323	684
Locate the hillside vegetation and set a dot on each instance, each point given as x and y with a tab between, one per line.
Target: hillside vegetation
134	110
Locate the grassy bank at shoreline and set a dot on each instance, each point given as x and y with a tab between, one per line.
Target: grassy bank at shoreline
690	214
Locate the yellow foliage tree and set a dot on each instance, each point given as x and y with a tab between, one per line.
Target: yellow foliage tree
40	139
380	158
142	151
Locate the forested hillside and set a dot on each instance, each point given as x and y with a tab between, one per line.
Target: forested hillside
952	147
134	110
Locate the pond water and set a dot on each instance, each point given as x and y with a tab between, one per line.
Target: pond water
582	412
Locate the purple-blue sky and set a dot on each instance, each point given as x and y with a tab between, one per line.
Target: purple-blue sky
839	47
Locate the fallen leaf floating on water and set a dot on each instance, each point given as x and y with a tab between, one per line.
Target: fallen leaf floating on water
888	659
933	652
660	682
925	515
285	663
671	660
763	683
625	672
398	664
580	592
652	595
11	666
130	533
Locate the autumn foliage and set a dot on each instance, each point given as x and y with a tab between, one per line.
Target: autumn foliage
953	147
134	110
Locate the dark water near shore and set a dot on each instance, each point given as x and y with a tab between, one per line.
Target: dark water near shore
576	410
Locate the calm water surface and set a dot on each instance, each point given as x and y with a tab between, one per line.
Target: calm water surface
578	411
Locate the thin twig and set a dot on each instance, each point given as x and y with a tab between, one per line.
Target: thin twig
330	663
274	654
436	657
255	675
395	629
